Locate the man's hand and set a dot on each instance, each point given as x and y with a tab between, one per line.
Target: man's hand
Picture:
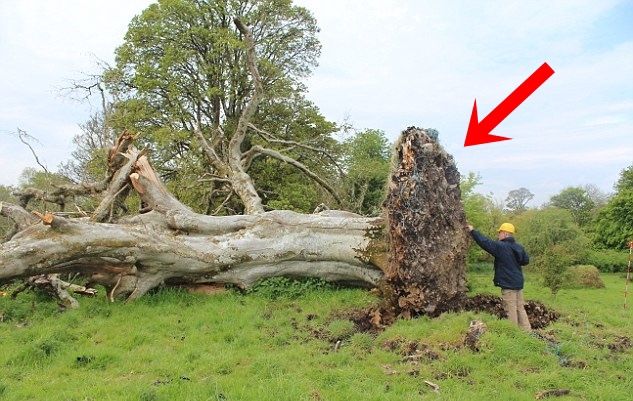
469	228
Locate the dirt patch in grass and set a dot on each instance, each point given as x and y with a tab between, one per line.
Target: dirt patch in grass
368	320
620	344
540	316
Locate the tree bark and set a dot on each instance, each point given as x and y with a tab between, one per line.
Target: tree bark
151	249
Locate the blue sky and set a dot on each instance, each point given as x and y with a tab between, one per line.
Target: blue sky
388	65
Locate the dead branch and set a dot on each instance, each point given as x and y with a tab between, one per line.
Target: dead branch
53	284
434	386
29	194
24	138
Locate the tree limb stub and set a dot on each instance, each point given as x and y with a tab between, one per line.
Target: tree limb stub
21	217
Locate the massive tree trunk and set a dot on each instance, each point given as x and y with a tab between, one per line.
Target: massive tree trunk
172	244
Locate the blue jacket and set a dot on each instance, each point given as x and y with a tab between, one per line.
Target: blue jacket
509	257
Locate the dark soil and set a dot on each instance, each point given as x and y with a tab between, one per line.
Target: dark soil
540	316
428	242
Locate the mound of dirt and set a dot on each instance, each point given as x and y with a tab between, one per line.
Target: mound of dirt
538	314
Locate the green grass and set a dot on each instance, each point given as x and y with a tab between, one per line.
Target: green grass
172	345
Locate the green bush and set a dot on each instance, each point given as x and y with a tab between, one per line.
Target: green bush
554	264
540	230
584	276
608	260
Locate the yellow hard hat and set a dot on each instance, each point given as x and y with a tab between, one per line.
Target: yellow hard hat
507	227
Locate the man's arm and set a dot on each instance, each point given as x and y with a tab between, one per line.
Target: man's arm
487	244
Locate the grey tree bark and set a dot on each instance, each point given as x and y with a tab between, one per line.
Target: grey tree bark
172	244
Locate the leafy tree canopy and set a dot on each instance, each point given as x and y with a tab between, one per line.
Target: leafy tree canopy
614	224
625	182
367	162
577	201
183	78
482	212
613	227
518	199
540	230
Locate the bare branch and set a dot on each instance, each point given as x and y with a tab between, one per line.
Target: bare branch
24	138
300	166
270	138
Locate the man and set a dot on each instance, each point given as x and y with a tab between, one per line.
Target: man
509	257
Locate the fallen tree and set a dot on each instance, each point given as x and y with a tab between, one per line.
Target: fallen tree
415	255
170	244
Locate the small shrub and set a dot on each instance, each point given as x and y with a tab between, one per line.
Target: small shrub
584	276
554	263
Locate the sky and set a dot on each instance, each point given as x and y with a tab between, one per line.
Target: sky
386	65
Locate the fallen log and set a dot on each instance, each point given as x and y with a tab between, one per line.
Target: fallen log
147	251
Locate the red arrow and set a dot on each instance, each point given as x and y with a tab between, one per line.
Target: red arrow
479	132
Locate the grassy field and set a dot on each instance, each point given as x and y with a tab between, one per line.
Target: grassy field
173	345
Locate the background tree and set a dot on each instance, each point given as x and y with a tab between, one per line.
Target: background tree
541	230
482	212
518	199
367	162
625	181
89	158
577	201
554	265
614	223
216	109
554	242
599	197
